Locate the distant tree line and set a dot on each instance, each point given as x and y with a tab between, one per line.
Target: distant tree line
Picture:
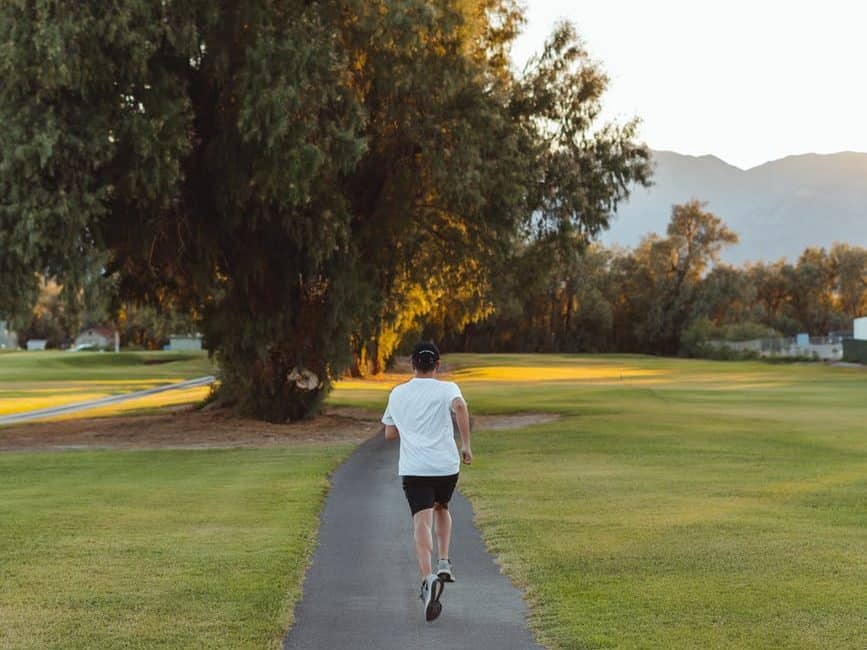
669	295
666	296
58	316
60	313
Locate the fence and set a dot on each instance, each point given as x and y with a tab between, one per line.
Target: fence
826	348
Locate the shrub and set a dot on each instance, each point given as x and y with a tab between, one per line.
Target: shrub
855	351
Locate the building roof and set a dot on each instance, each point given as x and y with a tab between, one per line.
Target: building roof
102	330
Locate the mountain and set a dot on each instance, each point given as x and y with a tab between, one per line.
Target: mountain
778	209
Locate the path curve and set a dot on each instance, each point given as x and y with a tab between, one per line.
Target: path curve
361	591
54	411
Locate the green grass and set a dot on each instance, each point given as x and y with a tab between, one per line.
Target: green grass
125	366
159	549
34	380
676	503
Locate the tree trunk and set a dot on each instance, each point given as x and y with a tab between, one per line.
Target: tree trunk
274	347
275	387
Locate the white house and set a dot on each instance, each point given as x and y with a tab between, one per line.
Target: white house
101	338
859	329
36	344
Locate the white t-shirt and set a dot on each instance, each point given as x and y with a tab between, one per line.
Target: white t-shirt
421	409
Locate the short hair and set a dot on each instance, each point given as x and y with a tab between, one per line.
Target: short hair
425	356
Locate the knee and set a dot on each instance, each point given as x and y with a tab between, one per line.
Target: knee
423	519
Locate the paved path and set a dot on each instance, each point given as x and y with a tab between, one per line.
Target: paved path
103	401
361	591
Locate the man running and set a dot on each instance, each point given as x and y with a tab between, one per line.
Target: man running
420	412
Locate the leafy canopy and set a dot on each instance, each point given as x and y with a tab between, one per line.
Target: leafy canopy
316	181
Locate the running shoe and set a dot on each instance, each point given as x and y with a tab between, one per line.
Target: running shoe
444	570
431	590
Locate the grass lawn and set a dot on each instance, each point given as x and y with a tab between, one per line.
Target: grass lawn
34	380
676	503
147	549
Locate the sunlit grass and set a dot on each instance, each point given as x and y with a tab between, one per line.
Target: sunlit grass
536	374
139	405
72	395
39	401
37	380
675	504
170	549
695	504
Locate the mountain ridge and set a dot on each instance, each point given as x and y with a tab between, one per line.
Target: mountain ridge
778	208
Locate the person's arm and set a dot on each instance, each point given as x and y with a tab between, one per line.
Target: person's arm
391	432
462	418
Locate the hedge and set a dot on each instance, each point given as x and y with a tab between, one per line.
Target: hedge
855	351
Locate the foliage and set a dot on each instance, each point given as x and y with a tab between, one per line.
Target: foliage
49	319
205	142
697	338
91	295
668	296
435	223
849	273
314	181
146	327
747	331
562	295
855	351
417	194
672	269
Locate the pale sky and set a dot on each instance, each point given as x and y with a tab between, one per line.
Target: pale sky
746	80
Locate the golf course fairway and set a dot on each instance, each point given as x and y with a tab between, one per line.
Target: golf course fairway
675	503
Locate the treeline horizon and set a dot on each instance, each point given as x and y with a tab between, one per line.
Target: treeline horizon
669	295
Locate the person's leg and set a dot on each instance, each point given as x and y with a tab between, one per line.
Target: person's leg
419	491
444	488
422	523
443	521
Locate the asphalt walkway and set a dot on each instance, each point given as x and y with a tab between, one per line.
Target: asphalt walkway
361	591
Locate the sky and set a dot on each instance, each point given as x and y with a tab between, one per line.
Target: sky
745	80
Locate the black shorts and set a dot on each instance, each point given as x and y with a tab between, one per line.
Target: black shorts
423	491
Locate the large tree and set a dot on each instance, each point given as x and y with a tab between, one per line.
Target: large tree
566	175
849	265
315	179
440	181
670	270
809	286
200	143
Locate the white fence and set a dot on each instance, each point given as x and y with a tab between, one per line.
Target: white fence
826	348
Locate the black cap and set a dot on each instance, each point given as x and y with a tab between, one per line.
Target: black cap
425	349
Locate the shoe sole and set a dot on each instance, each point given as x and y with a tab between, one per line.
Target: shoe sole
434	607
445	577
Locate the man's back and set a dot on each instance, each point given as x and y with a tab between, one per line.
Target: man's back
421	409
